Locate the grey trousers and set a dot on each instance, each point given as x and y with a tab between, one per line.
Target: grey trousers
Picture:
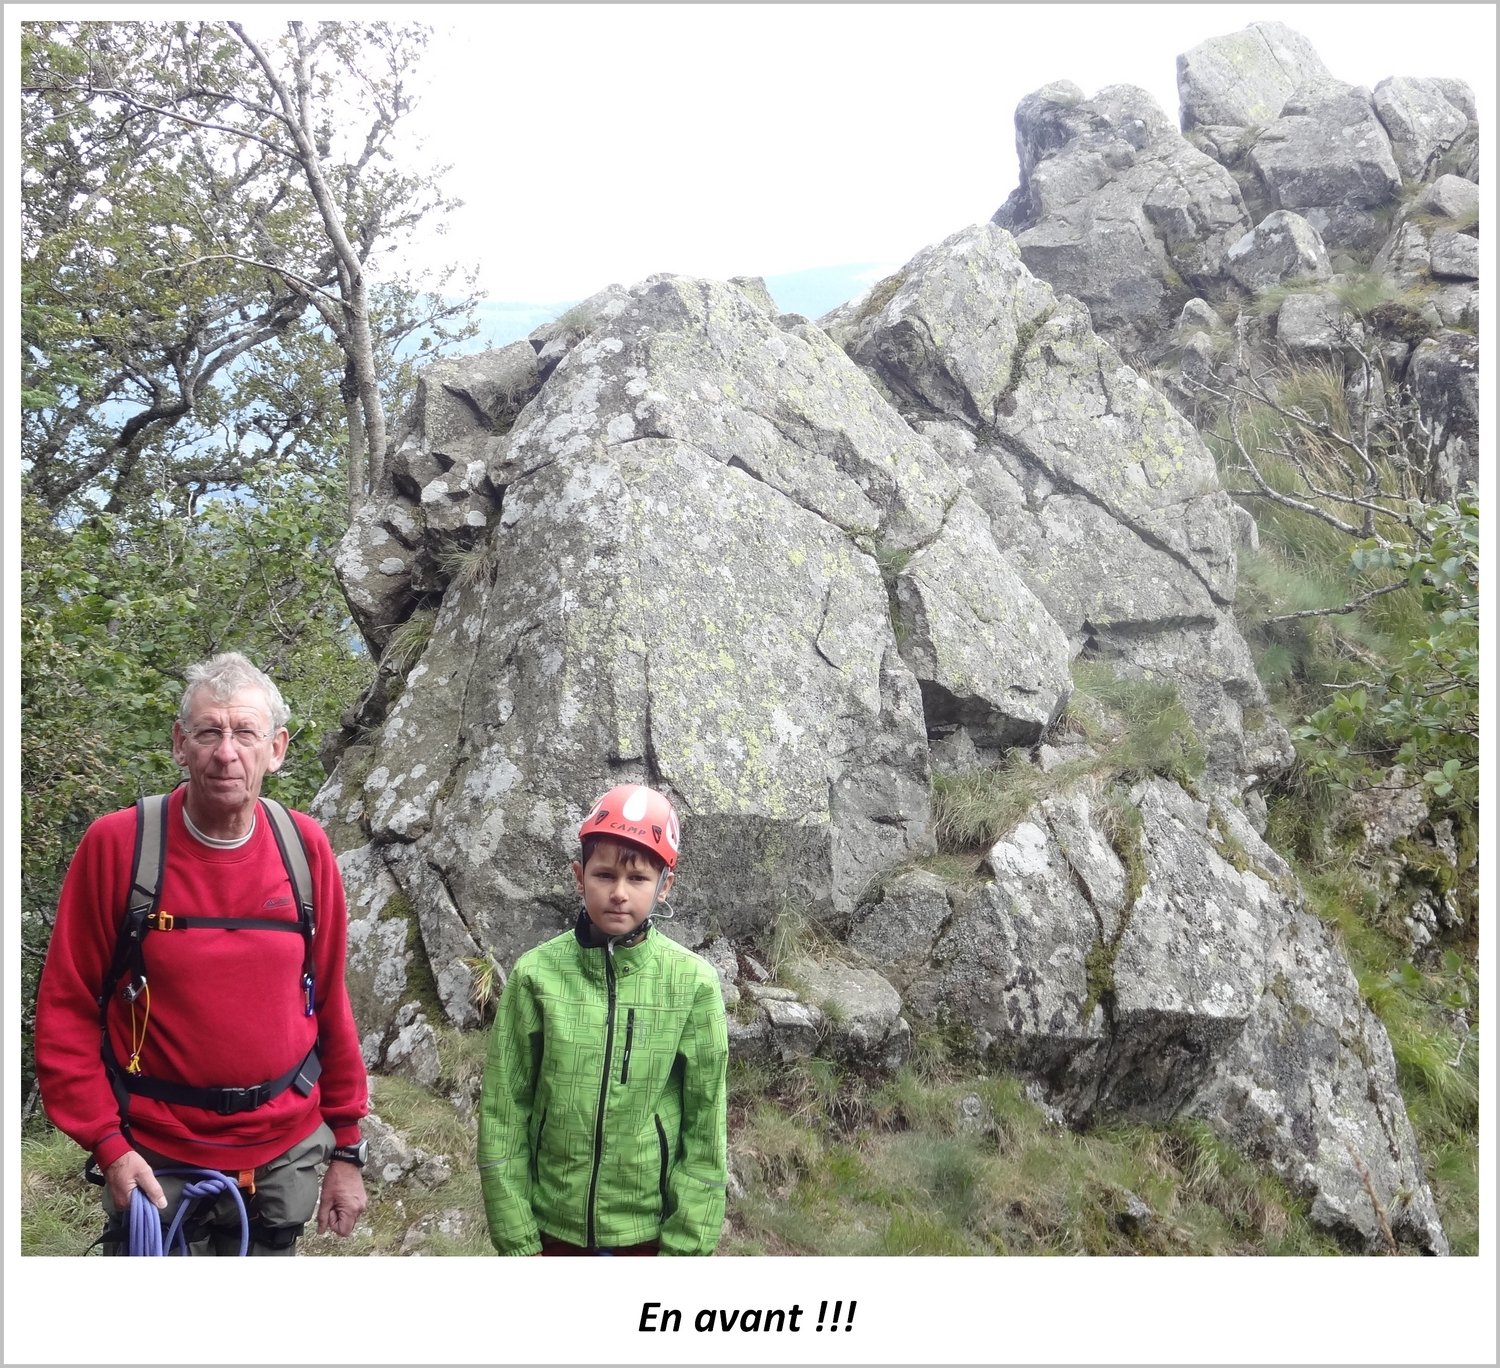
284	1200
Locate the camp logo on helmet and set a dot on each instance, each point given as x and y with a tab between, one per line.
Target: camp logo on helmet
639	815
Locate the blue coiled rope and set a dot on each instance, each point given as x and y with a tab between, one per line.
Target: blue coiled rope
146	1236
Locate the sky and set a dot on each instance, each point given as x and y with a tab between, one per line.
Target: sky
598	144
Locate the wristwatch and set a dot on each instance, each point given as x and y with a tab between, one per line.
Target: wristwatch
352	1154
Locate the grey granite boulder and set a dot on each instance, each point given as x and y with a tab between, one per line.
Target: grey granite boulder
1184	980
680	587
1244	79
894	932
1443	374
1312	324
861	1009
1426	121
1011	963
1283	246
1433	255
1328	158
1454	256
375	563
1116	209
1450	197
984	650
1100	494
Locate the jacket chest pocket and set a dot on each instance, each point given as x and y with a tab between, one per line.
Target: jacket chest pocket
645	1046
629	1045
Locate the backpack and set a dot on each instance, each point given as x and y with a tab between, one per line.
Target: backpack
142	916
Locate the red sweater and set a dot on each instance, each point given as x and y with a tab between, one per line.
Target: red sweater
226	1006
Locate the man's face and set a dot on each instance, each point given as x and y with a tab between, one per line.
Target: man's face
224	778
618	887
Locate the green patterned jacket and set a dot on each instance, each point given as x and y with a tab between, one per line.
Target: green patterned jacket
602	1116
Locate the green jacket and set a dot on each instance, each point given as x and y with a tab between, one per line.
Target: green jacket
602	1116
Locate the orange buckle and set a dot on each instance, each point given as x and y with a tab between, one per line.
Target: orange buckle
164	921
246	1180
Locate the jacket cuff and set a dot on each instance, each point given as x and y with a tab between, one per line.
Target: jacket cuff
110	1148
346	1134
533	1246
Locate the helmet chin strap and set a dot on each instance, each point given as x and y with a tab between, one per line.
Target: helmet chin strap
661	911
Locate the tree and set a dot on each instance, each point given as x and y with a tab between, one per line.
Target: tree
207	345
1421	712
1351	451
111	613
202	216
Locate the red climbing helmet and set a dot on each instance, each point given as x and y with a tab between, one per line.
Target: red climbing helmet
639	816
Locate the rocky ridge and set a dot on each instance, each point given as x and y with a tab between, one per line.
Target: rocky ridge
792	571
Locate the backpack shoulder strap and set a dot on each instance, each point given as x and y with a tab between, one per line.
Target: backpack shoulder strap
144	893
293	856
299	870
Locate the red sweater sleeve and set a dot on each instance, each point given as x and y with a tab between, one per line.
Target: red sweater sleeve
75	1091
343	1088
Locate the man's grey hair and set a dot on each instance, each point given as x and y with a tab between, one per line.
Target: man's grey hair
226	675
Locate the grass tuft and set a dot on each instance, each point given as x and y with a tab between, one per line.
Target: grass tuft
408	640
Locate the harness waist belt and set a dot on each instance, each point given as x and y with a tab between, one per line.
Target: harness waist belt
225	1101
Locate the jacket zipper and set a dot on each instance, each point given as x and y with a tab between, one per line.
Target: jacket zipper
661	1140
536	1152
629	1033
609	1049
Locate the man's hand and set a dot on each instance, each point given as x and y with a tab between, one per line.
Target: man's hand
342	1199
127	1173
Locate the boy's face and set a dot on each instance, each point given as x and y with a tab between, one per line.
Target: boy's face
619	887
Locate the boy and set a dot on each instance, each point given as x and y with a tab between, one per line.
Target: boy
602	1117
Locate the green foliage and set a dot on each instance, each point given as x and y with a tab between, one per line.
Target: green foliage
881	293
471	567
1421	711
1026	331
1269	301
789	935
193	306
1361	608
1465	221
578	322
488	983
1361	291
60	1213
1138	727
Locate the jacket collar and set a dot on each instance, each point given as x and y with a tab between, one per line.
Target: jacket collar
593	956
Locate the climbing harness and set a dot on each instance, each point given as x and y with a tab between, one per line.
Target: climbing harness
143	915
145	1235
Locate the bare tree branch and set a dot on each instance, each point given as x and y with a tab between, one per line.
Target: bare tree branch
1353	605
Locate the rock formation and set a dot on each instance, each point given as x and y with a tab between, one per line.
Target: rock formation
790	571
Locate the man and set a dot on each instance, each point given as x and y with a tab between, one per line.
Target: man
228	1042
